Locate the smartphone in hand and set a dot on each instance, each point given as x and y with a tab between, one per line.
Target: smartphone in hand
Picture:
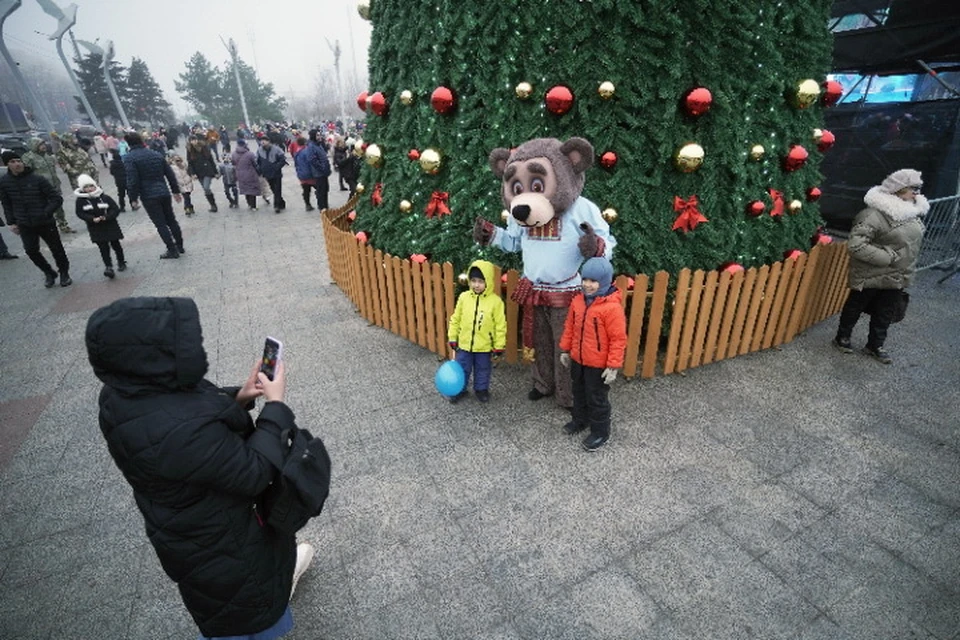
272	352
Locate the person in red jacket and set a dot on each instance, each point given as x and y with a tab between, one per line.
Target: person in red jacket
592	346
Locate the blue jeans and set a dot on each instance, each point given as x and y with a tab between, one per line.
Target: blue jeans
479	364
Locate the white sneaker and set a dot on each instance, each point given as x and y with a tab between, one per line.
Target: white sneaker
305	553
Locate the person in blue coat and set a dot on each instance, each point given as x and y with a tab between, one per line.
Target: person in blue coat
319	165
148	175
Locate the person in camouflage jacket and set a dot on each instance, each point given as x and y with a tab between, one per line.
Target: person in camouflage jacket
75	161
43	163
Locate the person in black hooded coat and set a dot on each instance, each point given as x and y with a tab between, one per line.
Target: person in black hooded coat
186	447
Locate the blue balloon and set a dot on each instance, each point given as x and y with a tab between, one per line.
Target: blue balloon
450	379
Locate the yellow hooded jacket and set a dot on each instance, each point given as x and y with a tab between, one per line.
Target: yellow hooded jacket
479	322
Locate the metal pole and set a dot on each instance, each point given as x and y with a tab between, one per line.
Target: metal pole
65	24
7	7
107	59
232	48
335	48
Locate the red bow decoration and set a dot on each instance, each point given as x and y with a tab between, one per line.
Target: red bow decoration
377	197
777	197
438	204
689	216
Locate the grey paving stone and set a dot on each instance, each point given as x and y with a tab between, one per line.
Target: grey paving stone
820	581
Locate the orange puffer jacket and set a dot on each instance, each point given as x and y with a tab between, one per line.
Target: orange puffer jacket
596	336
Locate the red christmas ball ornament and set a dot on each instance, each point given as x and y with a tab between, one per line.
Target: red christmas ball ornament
832	92
826	140
362	101
631	283
352	215
378	104
813	194
503	279
796	158
792	254
442	100
731	267
609	160
820	238
559	100
756	208
362	237
419	258
413	154
698	101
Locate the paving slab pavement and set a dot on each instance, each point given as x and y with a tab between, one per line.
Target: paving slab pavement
792	493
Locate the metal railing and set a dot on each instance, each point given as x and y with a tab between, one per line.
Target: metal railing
941	242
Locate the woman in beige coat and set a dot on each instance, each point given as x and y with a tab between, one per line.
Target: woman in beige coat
884	245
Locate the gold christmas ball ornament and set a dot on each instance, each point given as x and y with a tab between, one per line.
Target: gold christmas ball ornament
464	280
795	206
609	214
406	97
358	147
363	8
430	161
505	216
524	90
606	90
405	206
360	187
689	157
808	92
757	152
373	155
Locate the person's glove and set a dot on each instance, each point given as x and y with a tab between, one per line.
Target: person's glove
483	231
497	354
453	345
590	244
565	359
609	375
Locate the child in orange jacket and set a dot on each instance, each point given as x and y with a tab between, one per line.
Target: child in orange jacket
592	346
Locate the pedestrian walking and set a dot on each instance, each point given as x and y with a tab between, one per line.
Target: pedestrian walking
74	161
148	176
100	146
229	173
197	463
319	167
119	174
28	201
184	181
225	141
39	158
301	163
202	166
270	163
100	213
340	154
884	246
248	180
350	171
213	137
592	346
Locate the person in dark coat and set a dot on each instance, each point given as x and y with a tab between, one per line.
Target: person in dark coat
100	213
270	163
201	165
29	202
248	179
340	154
148	175
316	159
192	454
119	174
350	171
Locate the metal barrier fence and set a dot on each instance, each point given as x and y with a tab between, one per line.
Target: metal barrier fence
941	242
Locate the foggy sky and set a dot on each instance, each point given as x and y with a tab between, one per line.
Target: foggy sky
282	39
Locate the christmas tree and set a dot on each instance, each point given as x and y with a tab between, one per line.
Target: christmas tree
703	115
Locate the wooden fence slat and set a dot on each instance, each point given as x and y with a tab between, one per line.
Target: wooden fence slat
787	312
513	318
776	308
366	300
827	288
701	321
376	292
638	304
416	273
732	307
430	329
800	302
449	293
690	319
746	295
398	292
381	267
841	286
718	303
652	340
756	301
774	288
676	320
411	302
439	315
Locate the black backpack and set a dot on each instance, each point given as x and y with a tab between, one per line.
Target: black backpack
301	489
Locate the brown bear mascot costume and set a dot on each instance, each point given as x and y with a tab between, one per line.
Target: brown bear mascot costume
556	229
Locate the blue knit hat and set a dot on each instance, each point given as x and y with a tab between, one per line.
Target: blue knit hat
598	269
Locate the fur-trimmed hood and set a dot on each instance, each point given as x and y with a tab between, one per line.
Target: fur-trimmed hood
892	206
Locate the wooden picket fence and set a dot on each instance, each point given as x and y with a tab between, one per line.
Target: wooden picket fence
705	317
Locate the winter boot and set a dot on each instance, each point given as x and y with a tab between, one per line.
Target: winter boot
50	279
108	272
65	279
121	266
171	254
213	203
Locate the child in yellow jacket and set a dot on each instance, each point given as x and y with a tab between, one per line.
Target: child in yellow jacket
478	330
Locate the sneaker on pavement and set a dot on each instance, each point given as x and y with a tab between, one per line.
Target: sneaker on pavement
108	272
878	354
592	442
171	254
483	395
122	266
8	256
50	279
842	345
305	552
65	280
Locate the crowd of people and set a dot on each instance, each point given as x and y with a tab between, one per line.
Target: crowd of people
149	170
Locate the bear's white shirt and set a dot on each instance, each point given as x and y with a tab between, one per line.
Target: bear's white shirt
554	264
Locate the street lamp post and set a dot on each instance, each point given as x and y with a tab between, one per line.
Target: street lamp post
232	48
7	7
106	53
66	20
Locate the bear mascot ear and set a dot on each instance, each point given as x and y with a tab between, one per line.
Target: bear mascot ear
498	160
579	152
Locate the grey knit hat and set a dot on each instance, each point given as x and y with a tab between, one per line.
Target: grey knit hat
901	180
